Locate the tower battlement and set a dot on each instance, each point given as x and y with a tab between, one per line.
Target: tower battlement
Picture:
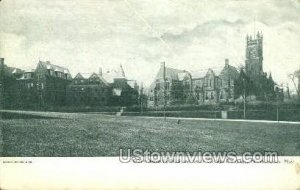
254	55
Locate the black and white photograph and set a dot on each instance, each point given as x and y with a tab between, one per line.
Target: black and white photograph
169	83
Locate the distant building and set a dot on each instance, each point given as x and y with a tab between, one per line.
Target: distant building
8	85
27	96
88	90
227	77
254	55
174	88
263	85
45	86
103	89
205	86
124	92
195	87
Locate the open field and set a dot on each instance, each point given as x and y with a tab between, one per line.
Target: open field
76	134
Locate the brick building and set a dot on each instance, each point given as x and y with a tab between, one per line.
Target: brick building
195	87
8	85
171	86
214	85
88	90
103	89
44	87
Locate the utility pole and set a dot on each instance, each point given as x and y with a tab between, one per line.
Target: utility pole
277	107
244	98
1	83
164	87
277	103
141	98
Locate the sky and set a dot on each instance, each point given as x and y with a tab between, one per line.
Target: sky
186	34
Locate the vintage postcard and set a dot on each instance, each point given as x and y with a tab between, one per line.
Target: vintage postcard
160	94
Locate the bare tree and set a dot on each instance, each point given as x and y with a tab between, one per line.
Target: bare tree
295	78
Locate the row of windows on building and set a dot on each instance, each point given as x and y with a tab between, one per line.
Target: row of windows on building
207	95
87	89
57	74
91	81
31	85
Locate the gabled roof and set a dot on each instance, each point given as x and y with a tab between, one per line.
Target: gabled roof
198	74
89	75
230	70
100	77
82	76
171	73
48	65
9	71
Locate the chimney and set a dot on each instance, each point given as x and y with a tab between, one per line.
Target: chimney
100	71
226	62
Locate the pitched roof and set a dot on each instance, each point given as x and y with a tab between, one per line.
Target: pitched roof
48	65
171	73
89	75
83	76
198	74
230	70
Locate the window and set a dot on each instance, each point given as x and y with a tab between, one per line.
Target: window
167	85
206	96
28	75
221	95
206	82
158	86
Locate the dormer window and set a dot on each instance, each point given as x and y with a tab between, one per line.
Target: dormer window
51	73
28	75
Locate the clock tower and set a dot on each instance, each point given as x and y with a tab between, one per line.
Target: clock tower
254	55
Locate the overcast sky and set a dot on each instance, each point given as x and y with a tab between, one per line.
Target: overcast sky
188	34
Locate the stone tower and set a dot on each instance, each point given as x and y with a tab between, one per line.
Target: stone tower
254	55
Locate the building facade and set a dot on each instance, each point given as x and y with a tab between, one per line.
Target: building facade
254	55
171	86
214	85
102	89
195	87
88	90
8	86
263	85
43	87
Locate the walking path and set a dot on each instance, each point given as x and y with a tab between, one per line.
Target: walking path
150	117
231	120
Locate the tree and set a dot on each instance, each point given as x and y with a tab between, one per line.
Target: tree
243	85
294	76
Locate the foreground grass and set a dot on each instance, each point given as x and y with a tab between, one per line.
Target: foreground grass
102	135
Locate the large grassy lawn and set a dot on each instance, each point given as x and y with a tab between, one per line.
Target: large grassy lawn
103	135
